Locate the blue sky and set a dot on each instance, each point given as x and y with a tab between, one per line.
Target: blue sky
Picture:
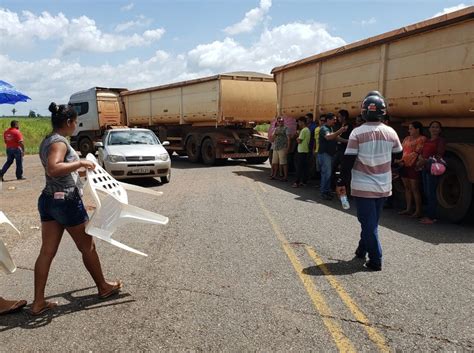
51	49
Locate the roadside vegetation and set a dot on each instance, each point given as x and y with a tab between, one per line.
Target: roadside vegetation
33	130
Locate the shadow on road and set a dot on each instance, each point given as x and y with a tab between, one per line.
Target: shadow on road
178	162
75	303
438	233
339	268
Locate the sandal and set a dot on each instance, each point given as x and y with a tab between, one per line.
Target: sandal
17	306
48	306
271	177
404	212
114	290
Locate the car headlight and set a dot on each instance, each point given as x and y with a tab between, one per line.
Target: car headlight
163	157
115	158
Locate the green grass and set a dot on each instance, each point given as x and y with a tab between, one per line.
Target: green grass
33	130
262	127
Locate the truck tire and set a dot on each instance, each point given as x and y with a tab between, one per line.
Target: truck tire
192	149
86	146
454	192
256	160
208	152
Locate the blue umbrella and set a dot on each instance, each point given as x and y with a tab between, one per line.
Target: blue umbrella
9	95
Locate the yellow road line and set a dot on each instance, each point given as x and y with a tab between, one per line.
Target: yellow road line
342	342
373	334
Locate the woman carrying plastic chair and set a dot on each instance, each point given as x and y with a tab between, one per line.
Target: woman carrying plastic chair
61	208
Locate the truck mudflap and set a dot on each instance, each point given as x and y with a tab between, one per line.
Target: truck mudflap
245	155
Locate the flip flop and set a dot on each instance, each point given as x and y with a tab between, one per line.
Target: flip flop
48	306
17	306
114	290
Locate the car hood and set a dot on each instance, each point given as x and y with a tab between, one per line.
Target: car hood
135	150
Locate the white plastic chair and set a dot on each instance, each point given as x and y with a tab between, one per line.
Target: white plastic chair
113	209
6	262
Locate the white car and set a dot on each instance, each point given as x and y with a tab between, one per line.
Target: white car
134	153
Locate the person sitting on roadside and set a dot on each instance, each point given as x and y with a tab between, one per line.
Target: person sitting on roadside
61	208
434	147
327	150
281	142
302	153
412	147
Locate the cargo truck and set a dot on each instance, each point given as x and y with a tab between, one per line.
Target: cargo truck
425	71
208	119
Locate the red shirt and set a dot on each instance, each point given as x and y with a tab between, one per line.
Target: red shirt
433	148
12	137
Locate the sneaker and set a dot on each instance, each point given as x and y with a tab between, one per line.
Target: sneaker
371	266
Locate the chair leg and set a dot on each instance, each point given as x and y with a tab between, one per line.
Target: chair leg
140	215
6	262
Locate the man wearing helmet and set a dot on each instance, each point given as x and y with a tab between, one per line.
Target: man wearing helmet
368	158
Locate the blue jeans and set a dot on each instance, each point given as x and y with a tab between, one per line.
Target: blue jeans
368	214
430	184
325	163
13	154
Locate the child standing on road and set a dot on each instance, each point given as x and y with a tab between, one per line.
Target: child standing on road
61	208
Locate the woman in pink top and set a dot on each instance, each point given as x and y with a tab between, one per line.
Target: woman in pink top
412	147
434	147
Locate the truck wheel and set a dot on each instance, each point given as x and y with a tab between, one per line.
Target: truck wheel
192	149
454	191
256	160
86	146
208	151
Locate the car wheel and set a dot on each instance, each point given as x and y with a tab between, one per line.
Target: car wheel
166	179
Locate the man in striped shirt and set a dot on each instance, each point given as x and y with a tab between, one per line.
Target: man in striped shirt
369	156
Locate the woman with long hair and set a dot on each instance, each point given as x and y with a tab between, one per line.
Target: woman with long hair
412	147
435	147
61	208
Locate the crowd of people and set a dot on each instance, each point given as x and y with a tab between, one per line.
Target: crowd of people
365	156
317	149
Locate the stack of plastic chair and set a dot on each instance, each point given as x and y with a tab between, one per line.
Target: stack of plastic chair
113	210
6	262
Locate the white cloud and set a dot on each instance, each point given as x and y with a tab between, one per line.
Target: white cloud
450	9
76	34
276	46
55	79
127	7
251	19
141	21
370	21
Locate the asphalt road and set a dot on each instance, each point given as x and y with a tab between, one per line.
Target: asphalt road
246	264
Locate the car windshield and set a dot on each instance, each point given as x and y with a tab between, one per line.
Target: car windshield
133	138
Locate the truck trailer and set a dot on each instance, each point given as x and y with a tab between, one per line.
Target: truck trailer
208	119
425	71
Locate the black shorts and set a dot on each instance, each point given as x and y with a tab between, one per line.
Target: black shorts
68	211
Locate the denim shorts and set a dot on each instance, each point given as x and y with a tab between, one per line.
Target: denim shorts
68	211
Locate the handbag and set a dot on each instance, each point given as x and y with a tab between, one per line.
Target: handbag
437	165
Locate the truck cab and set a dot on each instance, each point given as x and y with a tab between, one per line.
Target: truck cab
97	108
